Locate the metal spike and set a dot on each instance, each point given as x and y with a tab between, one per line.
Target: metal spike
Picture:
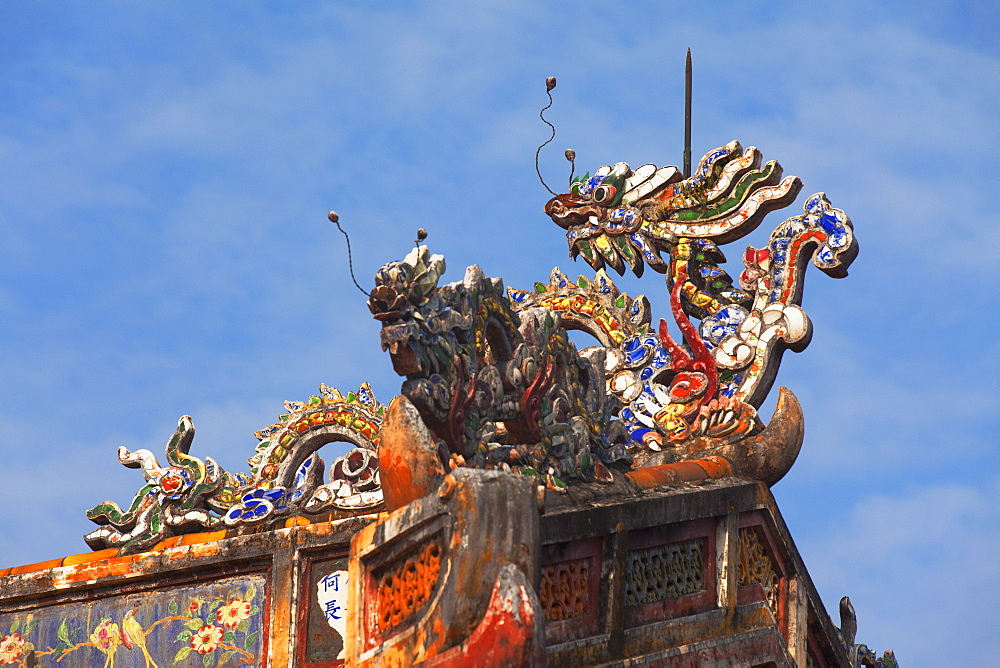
687	115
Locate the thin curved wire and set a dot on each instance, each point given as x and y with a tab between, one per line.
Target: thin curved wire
350	261
541	115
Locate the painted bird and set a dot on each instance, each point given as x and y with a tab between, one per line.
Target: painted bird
133	634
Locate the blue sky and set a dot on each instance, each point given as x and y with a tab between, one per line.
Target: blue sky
166	169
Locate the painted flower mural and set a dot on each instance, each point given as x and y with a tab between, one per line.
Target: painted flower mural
223	630
11	648
206	625
107	637
233	613
207	639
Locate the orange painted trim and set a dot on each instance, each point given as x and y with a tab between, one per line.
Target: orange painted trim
715	466
648	477
95	570
203	537
86	558
166	544
40	566
296	522
113	552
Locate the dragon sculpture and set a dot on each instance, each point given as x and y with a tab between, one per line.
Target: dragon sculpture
700	393
286	476
500	388
498	383
476	363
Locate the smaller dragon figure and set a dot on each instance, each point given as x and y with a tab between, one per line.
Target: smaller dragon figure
499	388
286	476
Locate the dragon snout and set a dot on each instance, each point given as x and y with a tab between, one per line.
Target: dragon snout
568	210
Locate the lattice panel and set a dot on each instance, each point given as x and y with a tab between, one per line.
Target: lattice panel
406	586
565	589
664	571
755	566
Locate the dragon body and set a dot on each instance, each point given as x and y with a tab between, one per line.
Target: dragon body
286	476
688	394
499	387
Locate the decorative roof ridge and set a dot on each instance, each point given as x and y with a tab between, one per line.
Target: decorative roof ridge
495	381
183	540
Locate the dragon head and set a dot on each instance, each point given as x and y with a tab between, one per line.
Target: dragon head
604	216
401	286
624	217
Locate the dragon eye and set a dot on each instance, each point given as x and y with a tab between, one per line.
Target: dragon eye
604	193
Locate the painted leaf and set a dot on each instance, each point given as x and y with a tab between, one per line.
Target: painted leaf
184	636
229	637
243	626
254	609
15	626
250	640
63	632
251	592
208	659
182	654
226	657
194	623
172	607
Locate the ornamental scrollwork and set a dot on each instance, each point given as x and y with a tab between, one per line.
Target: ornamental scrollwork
666	571
754	566
564	589
286	476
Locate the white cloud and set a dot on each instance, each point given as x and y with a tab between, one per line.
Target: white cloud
919	565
